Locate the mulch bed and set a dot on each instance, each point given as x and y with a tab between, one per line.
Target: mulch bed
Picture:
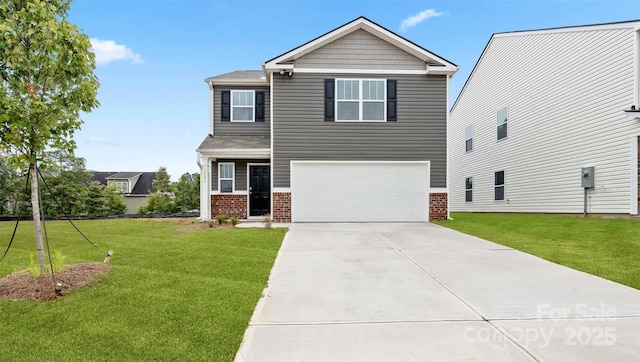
22	286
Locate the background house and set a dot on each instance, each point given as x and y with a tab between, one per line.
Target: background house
135	186
538	107
350	126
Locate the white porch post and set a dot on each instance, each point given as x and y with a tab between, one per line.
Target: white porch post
205	187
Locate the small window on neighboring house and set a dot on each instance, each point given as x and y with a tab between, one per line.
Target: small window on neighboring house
361	100
121	187
503	115
225	177
469	138
242	106
468	189
499	186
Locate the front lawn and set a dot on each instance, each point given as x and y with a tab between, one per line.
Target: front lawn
609	248
172	295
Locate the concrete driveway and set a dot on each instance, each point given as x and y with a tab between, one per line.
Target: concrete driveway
397	292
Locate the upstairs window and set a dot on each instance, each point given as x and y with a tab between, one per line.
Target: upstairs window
503	115
225	177
468	189
242	106
361	100
499	186
121	187
469	139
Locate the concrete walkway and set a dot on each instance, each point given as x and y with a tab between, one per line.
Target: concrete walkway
398	292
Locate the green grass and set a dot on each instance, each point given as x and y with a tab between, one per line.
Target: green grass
170	296
609	248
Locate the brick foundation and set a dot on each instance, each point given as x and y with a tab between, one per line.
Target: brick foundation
437	206
281	207
230	205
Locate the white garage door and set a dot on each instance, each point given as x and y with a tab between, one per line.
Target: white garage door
355	191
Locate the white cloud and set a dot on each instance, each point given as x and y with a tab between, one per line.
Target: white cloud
414	20
108	51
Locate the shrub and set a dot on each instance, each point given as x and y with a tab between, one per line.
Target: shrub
234	221
266	220
221	219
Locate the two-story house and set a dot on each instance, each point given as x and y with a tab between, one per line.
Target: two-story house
135	187
540	106
350	126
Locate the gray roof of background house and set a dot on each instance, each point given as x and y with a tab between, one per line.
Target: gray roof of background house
123	175
235	142
240	76
143	186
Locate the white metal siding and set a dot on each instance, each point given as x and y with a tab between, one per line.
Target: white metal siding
566	92
326	191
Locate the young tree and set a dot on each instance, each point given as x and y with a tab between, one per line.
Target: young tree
46	80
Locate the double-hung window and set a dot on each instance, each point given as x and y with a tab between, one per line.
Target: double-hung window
242	103
361	100
502	117
499	186
225	177
468	189
469	139
121	187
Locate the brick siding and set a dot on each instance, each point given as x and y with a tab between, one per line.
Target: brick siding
230	205
281	207
438	206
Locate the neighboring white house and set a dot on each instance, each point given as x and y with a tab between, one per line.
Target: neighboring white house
538	107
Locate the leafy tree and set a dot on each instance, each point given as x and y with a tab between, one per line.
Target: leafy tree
115	201
158	203
162	182
46	80
67	179
9	188
96	202
187	192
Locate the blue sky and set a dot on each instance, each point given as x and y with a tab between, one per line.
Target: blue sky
153	56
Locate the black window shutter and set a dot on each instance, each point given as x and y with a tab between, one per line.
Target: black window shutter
225	110
392	100
259	106
329	100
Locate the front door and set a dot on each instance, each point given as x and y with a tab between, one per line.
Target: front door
259	190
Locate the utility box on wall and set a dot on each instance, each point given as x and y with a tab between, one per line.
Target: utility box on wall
588	177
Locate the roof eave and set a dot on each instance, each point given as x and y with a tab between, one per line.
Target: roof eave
359	23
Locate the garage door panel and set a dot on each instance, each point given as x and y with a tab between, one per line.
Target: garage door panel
359	191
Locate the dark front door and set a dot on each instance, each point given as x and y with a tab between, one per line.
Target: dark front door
259	190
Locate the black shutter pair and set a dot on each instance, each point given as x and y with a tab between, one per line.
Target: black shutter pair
330	100
225	102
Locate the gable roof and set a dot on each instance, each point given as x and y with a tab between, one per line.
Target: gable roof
437	64
143	186
590	27
123	175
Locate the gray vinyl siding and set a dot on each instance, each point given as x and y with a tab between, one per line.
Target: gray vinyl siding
240	128
360	50
300	132
240	176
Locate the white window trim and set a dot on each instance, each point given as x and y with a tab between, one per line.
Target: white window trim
504	186
233	177
498	125
466	189
466	138
360	100
253	107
